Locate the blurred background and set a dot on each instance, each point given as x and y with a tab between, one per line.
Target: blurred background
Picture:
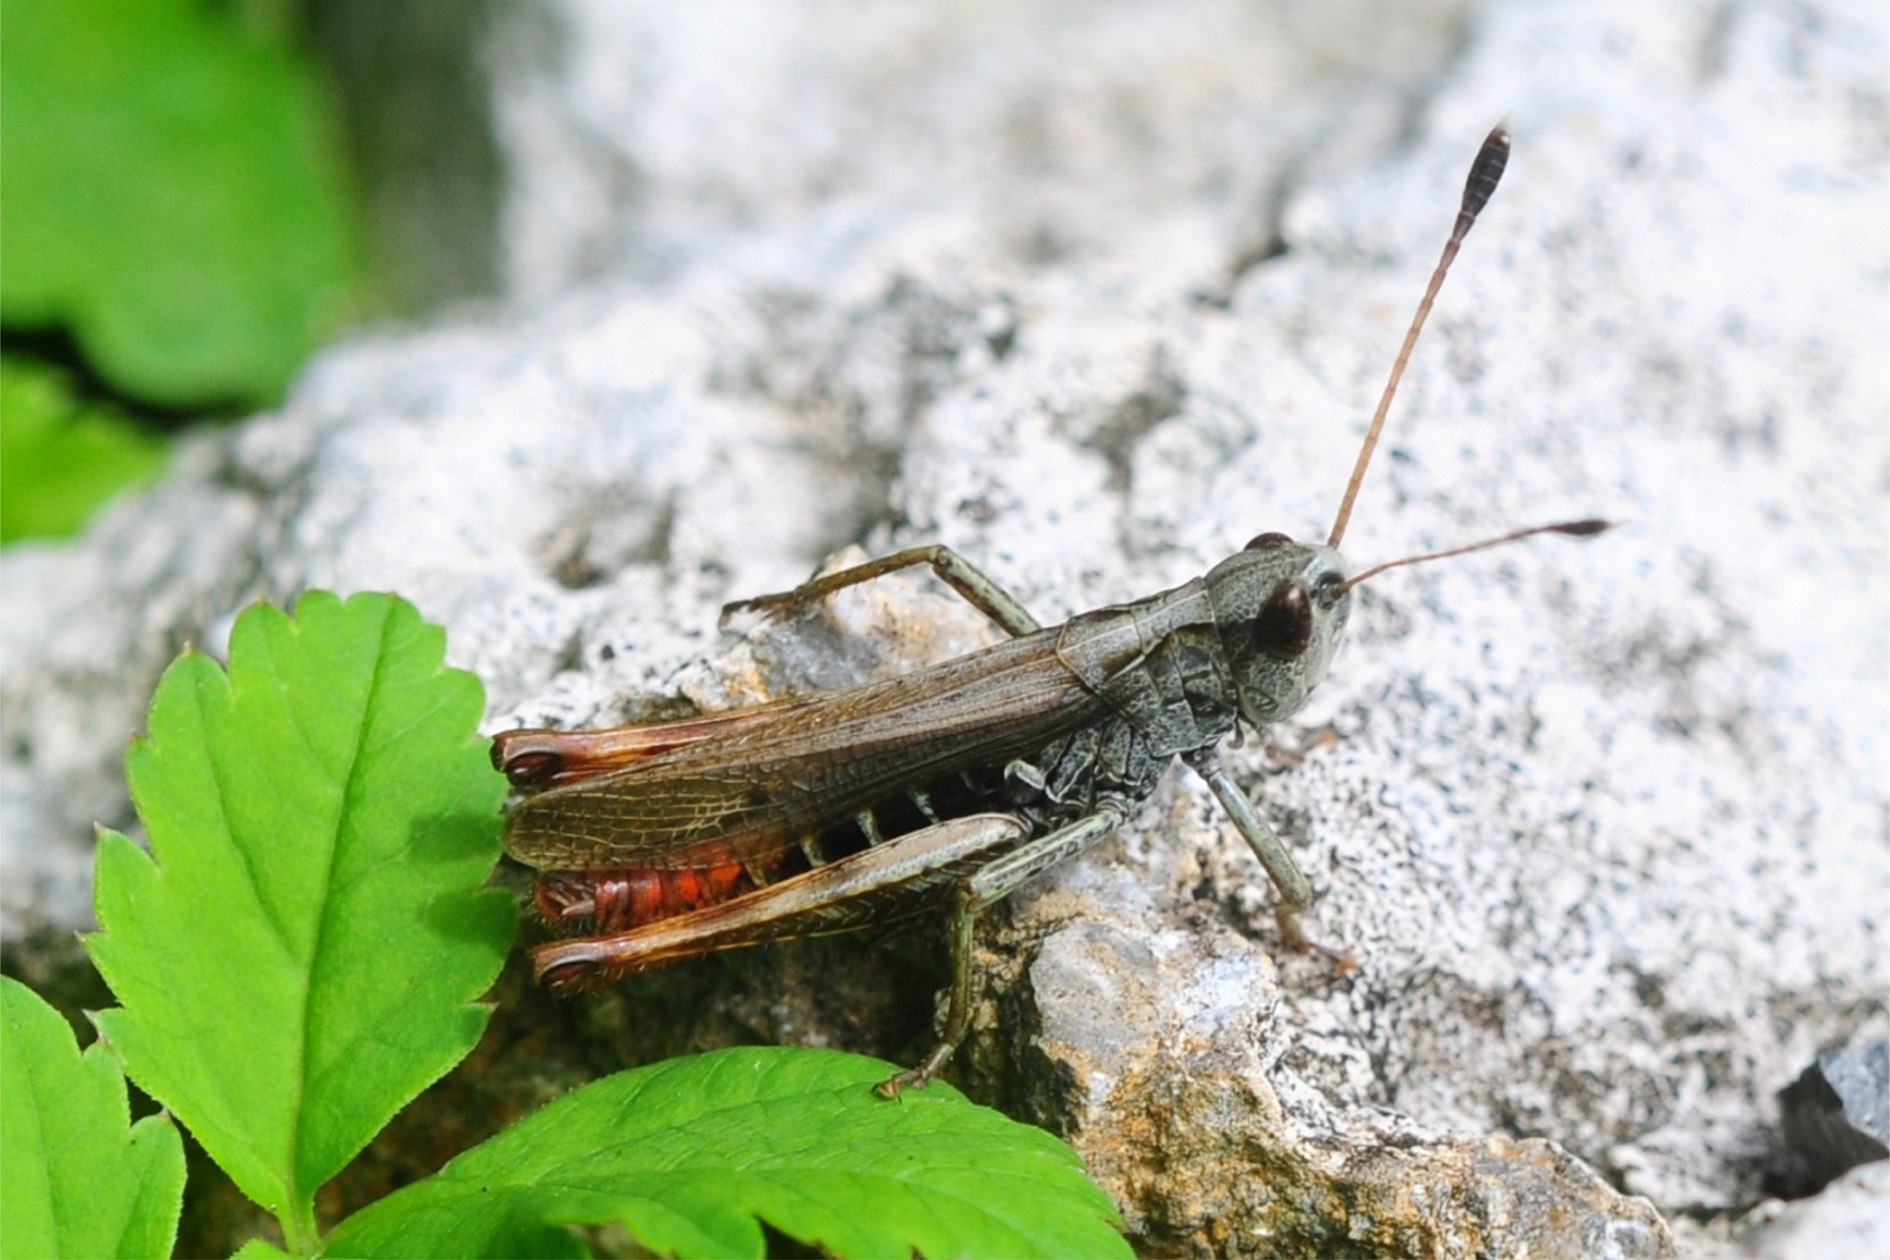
197	194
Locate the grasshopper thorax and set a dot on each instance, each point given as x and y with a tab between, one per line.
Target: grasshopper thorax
1280	607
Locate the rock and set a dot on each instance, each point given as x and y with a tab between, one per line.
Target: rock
1094	300
1212	1147
1835	1116
1846	1221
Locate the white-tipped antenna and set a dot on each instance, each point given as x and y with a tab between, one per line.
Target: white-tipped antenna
1484	172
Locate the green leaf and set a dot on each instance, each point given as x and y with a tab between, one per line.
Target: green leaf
691	1154
77	1178
171	192
60	460
299	954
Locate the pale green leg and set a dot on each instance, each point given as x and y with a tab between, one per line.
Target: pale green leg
1295	890
990	885
953	569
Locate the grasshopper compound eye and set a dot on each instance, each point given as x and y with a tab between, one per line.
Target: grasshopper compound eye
1268	542
1285	624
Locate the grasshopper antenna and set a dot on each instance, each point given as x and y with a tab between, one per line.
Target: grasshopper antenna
1484	172
1571	529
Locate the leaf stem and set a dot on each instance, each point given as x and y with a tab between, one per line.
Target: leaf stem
300	1234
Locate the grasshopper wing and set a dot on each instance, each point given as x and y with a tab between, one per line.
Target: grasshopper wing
747	784
535	758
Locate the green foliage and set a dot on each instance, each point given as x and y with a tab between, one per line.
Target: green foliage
77	1178
60	459
171	193
298	955
688	1155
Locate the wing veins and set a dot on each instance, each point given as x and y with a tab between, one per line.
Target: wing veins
805	767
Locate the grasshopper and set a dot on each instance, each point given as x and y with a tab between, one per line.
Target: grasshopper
948	787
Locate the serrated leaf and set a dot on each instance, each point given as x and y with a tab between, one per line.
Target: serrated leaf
689	1155
173	196
299	954
77	1178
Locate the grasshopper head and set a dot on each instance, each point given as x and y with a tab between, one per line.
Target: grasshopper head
1281	608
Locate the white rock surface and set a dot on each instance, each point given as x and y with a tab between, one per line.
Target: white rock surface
1849	1220
1604	824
